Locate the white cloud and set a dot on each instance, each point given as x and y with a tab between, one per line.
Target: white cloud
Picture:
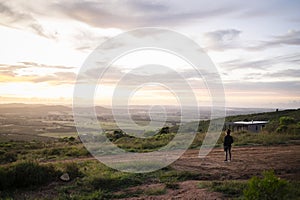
20	19
221	40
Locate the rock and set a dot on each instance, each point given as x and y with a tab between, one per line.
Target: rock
65	177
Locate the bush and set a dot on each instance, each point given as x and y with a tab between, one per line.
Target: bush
282	129
115	135
26	174
286	120
73	170
164	130
268	188
5	180
8	157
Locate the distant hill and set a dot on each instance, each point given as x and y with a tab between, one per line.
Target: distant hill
33	109
274	124
40	109
267	116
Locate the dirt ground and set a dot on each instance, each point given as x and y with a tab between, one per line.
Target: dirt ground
187	190
246	162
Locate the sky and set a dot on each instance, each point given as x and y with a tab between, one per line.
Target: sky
253	44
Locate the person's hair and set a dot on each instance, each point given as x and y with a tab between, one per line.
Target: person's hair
228	131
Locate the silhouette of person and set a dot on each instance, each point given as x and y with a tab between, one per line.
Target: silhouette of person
228	140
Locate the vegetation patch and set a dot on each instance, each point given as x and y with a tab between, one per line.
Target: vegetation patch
26	174
270	187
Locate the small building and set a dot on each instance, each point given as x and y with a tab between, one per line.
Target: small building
250	126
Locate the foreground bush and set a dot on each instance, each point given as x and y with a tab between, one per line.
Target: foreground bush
269	187
26	174
8	157
73	170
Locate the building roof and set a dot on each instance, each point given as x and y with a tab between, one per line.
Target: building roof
249	123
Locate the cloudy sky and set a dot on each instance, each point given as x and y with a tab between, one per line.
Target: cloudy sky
254	45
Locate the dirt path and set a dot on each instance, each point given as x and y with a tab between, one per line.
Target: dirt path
246	162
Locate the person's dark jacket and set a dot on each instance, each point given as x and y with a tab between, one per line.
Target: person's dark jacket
228	140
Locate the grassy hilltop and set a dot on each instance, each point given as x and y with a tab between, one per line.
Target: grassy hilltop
31	168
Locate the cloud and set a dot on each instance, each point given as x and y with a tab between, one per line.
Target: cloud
150	74
220	40
11	73
87	40
263	64
137	13
287	73
20	19
292	37
57	78
274	87
33	64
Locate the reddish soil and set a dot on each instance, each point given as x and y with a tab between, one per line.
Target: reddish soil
246	162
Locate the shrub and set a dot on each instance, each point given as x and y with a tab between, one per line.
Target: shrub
71	139
73	170
26	174
115	135
2	152
164	130
268	188
282	129
286	120
35	174
8	157
5	180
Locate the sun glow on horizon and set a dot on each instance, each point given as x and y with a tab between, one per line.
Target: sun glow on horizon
44	44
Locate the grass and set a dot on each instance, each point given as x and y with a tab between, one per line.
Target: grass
59	134
12	151
264	138
236	189
233	189
71	147
155	191
245	138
